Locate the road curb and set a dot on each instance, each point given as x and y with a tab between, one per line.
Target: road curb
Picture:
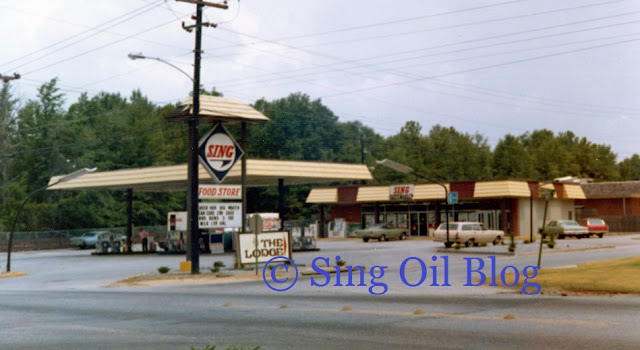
12	274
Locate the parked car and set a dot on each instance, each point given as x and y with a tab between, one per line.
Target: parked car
565	228
467	233
381	232
87	240
595	226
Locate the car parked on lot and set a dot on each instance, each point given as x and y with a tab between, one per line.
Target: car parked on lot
595	226
87	240
564	228
381	232
467	233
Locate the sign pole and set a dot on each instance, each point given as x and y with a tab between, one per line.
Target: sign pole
243	180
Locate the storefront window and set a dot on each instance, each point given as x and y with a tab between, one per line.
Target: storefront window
392	220
369	220
403	221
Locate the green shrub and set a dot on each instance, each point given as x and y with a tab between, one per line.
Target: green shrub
163	269
215	269
219	264
341	262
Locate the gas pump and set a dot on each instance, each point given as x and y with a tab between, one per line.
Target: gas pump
108	242
176	232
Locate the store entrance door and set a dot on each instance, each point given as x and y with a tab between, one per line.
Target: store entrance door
419	224
415	229
424	231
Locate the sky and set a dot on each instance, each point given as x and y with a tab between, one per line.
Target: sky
487	67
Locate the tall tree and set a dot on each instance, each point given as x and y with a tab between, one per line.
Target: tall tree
299	129
7	147
630	168
7	129
511	159
40	136
405	147
551	157
451	155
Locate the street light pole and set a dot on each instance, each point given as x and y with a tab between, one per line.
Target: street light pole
565	179
140	56
408	170
531	209
64	178
193	253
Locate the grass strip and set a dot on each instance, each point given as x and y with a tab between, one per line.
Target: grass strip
616	276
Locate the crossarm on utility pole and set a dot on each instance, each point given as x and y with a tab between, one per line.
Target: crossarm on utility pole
206	3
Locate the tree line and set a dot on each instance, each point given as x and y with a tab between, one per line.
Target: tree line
40	138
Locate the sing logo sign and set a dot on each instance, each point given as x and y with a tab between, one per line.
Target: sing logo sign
218	152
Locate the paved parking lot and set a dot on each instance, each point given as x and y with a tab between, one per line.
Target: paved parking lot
63	303
78	269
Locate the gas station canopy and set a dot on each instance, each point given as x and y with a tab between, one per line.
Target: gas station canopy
260	172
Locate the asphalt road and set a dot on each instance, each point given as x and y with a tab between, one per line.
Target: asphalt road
63	304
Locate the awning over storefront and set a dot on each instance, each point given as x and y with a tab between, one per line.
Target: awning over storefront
468	190
260	172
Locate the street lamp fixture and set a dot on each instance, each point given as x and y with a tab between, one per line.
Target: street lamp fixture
63	178
140	56
561	180
409	171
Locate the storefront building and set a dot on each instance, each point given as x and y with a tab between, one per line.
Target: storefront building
507	205
618	203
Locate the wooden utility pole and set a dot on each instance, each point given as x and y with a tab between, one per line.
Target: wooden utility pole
193	249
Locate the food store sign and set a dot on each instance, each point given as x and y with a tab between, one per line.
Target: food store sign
401	192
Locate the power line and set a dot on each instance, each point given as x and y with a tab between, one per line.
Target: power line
148	67
359	61
410	19
378	24
493	20
100	47
96	30
546	36
502	43
502	64
296	77
474	120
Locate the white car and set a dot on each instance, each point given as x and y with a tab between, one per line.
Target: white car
467	233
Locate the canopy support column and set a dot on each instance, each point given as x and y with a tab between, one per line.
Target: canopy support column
129	219
281	202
